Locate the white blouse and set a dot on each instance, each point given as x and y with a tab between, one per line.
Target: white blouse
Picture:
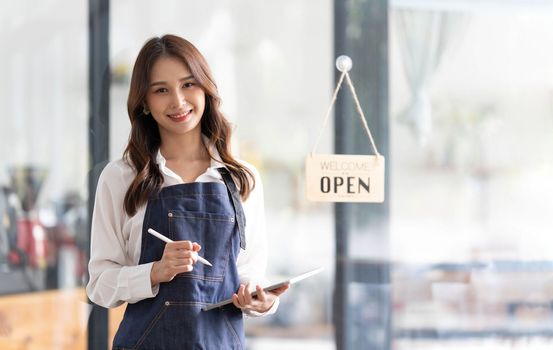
115	275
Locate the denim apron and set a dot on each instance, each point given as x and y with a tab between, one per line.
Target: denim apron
210	214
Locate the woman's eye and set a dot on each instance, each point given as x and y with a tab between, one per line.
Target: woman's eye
160	90
188	85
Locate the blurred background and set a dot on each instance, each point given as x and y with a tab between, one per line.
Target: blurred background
458	94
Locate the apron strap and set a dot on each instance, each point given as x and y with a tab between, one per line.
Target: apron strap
236	203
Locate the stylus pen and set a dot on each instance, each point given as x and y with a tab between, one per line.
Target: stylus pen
169	240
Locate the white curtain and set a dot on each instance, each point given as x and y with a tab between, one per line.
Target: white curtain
424	36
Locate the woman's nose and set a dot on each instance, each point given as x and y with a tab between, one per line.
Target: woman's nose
178	99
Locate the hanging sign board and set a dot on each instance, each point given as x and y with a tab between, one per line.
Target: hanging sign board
341	177
344	178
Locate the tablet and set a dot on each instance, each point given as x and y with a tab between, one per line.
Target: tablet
269	288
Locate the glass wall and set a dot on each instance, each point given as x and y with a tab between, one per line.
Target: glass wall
471	127
43	174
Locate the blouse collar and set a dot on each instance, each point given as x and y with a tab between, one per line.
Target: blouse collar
215	162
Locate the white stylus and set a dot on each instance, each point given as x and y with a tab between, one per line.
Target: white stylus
169	240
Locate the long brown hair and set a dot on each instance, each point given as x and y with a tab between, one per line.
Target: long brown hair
145	140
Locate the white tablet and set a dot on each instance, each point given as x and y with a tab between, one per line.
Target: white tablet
269	288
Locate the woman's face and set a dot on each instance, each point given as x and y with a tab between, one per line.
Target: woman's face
174	98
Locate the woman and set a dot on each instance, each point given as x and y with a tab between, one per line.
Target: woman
178	177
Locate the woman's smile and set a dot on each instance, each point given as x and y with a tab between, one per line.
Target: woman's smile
180	116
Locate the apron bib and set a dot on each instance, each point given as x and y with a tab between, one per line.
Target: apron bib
210	214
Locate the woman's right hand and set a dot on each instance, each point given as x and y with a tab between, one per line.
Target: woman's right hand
178	257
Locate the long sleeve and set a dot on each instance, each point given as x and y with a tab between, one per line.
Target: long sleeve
115	276
252	262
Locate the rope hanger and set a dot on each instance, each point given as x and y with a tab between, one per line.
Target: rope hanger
344	64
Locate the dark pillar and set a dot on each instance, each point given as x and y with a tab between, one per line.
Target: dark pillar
361	32
99	81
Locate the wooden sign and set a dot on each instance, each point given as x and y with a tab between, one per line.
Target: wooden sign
344	178
341	177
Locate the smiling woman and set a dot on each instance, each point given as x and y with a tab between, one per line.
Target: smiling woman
184	60
178	177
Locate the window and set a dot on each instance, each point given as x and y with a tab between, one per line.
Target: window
471	144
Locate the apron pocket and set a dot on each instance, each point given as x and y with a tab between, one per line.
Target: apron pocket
210	230
182	325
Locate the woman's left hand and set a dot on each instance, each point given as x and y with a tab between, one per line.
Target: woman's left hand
261	303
